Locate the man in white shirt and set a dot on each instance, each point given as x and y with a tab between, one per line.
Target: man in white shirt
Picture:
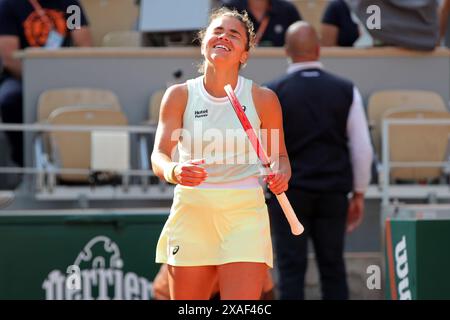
328	143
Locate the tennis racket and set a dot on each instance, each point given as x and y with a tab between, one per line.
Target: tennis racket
296	227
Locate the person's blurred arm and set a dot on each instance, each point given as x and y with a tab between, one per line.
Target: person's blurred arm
8	45
161	284
361	154
328	35
444	13
82	37
329	29
9	40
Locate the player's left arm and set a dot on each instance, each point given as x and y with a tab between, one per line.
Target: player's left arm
269	111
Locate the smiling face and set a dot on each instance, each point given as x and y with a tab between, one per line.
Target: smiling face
225	42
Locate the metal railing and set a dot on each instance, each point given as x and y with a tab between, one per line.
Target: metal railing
43	167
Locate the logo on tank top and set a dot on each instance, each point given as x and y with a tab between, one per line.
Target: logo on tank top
175	250
201	113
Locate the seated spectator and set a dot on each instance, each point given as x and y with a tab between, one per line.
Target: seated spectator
271	18
25	24
408	24
338	27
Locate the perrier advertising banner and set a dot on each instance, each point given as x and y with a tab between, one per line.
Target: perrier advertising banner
78	255
417	256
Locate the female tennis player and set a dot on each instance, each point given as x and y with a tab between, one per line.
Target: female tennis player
218	227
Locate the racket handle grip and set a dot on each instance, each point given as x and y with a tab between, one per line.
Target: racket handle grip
296	227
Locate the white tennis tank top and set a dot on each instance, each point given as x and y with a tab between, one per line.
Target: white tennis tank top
211	130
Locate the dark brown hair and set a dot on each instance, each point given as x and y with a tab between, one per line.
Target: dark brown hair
242	17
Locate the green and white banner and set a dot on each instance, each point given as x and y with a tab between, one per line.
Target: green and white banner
79	256
417	256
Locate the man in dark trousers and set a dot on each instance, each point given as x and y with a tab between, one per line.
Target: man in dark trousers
328	143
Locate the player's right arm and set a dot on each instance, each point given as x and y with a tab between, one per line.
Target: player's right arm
167	135
8	45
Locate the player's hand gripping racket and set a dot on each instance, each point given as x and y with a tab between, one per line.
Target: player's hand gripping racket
296	226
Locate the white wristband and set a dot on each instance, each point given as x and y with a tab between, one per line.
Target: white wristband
169	172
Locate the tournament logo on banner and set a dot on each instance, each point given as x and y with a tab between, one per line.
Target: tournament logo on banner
401	277
100	278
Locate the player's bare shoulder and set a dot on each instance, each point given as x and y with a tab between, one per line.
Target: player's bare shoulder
176	94
265	100
175	99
